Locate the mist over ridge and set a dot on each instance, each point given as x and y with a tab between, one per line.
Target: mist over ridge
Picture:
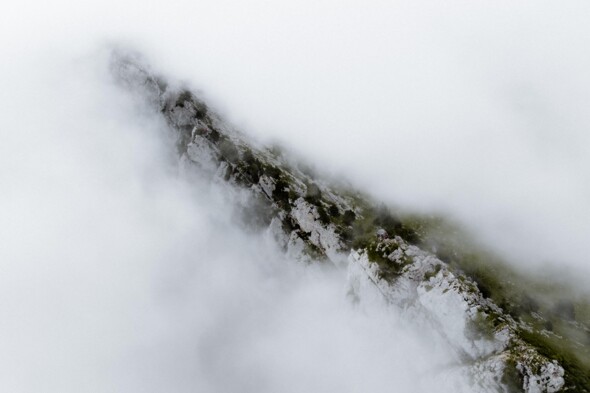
122	271
127	272
475	110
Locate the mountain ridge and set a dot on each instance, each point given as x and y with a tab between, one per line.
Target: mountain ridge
310	220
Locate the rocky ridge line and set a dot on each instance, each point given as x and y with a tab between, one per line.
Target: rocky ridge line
313	221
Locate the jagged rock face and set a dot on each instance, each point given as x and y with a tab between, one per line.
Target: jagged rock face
429	291
311	221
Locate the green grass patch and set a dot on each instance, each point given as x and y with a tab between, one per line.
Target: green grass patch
577	376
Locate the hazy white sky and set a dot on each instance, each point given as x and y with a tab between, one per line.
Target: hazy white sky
477	109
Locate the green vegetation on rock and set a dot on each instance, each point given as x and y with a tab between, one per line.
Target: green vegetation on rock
550	320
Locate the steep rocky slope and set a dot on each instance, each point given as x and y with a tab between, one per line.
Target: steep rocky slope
315	220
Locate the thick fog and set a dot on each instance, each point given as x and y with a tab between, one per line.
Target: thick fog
120	274
123	272
474	109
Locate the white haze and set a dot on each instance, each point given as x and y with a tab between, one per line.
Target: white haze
476	109
118	275
123	273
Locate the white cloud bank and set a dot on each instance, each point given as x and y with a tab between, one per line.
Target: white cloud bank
120	274
112	275
477	109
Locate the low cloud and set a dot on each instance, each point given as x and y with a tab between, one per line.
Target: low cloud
476	110
122	272
121	275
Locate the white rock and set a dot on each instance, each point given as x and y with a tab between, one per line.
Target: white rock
320	235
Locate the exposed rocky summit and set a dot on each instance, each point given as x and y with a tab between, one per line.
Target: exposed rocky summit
315	220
